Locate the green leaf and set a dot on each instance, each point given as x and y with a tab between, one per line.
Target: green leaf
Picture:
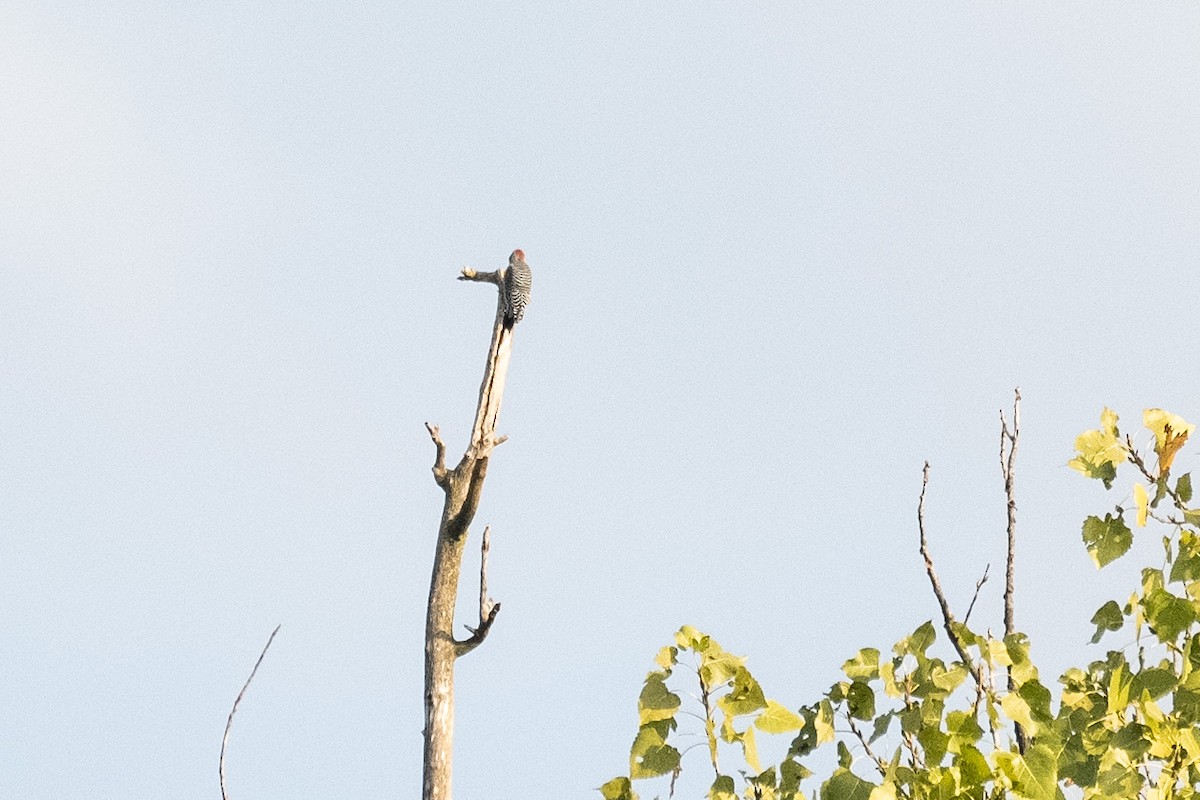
882	723
1160	490
1043	764
1038	698
688	638
910	719
861	701
1107	539
1107	618
667	658
916	643
932	710
972	766
949	679
1187	564
1017	709
791	773
844	757
1167	614
824	722
1132	739
935	743
778	719
885	791
1183	487
864	665
750	749
618	789
1191	516
723	789
1186	704
656	702
1034	776
717	666
1157	681
745	695
963	729
1120	781
1120	682
845	785
1098	452
817	730
764	780
1017	645
651	755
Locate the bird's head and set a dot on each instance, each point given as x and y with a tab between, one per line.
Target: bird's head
517	257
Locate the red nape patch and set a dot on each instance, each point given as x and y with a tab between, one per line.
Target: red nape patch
518	254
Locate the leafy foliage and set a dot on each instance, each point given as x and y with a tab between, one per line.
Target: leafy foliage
909	724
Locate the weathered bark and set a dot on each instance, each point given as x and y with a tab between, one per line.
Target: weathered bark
463	487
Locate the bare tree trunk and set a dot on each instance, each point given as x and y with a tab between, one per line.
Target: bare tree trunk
463	487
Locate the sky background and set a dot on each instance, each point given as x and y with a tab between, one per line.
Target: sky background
783	254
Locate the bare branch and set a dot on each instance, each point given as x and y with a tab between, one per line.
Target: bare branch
978	585
947	615
439	463
469	274
461	648
880	764
487	609
939	595
485	602
236	703
1008	460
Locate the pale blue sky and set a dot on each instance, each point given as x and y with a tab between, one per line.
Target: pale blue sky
783	253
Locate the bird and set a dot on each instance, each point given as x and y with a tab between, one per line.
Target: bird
518	280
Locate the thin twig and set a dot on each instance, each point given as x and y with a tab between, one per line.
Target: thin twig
1008	458
1008	443
947	615
978	585
880	764
236	702
439	463
485	602
487	609
471	274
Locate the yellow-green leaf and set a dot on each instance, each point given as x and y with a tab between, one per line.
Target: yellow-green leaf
778	719
656	702
750	749
1098	452
666	657
1170	433
723	789
1142	500
618	789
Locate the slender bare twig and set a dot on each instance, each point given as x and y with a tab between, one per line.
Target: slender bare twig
947	615
880	764
675	773
487	609
470	274
485	602
1008	460
439	463
236	702
978	585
